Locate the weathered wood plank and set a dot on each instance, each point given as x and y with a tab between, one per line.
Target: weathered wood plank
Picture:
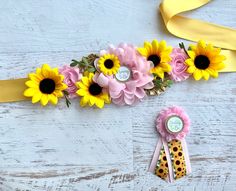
89	149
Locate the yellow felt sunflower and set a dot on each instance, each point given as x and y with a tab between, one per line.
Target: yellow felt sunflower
205	61
91	92
45	85
159	54
108	64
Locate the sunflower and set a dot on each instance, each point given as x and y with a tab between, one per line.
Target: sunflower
159	54
91	92
109	64
204	61
45	85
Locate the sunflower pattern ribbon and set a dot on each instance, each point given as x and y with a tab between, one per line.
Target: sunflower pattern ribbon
171	160
123	74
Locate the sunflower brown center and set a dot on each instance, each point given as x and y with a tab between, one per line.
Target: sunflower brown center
47	86
155	59
202	62
95	89
108	63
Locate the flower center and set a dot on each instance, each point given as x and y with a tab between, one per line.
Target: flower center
123	74
47	86
95	89
155	59
174	124
108	63
202	62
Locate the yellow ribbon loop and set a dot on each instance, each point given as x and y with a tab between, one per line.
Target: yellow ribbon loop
195	30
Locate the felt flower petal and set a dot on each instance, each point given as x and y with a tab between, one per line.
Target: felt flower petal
36	97
29	92
100	103
44	99
101	79
140	93
197	74
53	99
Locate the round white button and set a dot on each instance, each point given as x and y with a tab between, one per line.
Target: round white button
174	124
123	74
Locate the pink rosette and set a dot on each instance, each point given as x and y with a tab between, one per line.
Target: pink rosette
162	118
179	68
71	76
132	90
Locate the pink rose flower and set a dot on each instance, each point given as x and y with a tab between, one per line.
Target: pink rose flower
132	90
179	68
71	76
165	115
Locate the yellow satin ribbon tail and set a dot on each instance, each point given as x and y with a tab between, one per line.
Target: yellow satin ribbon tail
195	30
12	90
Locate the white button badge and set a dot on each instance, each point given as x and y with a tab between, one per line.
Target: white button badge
174	124
123	74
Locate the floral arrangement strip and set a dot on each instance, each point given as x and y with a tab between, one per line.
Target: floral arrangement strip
124	74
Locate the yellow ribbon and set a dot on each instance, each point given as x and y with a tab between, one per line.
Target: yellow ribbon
183	27
195	30
12	90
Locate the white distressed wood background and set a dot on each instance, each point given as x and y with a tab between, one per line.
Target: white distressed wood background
55	148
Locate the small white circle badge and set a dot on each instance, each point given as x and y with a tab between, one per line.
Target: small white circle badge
123	74
174	124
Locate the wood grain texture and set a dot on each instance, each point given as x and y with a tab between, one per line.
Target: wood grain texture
55	148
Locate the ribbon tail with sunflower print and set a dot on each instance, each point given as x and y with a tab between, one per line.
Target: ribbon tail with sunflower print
171	160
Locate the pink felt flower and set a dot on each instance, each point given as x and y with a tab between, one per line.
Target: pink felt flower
132	90
162	118
179	68
102	81
71	76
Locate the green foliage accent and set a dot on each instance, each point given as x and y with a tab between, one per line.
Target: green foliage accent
160	85
182	46
66	96
86	63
